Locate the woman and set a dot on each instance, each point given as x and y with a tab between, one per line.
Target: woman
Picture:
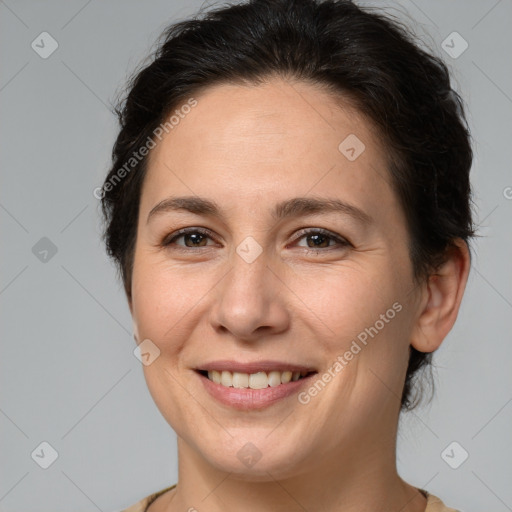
289	207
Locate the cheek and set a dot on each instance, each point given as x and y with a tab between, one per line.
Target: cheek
348	298
156	301
360	313
165	300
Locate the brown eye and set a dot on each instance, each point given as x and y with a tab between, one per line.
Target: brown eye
321	238
317	239
193	237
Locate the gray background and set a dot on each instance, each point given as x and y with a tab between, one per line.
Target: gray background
68	373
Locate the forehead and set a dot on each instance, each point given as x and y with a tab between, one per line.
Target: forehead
277	114
270	140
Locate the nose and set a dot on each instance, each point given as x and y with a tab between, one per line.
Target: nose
251	300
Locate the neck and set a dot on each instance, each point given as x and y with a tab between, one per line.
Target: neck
349	481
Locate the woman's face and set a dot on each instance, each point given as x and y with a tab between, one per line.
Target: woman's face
260	286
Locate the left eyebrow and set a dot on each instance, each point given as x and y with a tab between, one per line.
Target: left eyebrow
295	207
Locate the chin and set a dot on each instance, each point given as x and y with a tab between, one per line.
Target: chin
255	461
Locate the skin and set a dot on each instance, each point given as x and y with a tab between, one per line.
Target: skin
248	148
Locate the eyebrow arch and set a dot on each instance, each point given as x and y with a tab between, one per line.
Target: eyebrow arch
295	207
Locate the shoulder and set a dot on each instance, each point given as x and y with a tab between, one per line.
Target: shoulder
434	504
144	503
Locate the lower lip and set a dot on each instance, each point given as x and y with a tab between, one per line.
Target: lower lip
249	399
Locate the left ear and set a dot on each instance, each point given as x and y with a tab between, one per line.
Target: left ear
441	299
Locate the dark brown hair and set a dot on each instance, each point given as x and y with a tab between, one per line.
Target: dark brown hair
366	57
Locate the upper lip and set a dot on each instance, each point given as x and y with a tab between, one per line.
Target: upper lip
254	366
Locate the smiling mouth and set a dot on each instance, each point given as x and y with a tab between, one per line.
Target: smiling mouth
259	380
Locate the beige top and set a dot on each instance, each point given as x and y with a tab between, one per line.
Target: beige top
434	504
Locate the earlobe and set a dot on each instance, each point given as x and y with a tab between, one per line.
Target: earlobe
135	332
443	296
135	327
130	305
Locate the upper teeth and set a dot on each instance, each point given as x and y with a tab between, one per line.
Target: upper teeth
258	380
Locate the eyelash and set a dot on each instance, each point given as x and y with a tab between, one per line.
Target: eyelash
342	242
